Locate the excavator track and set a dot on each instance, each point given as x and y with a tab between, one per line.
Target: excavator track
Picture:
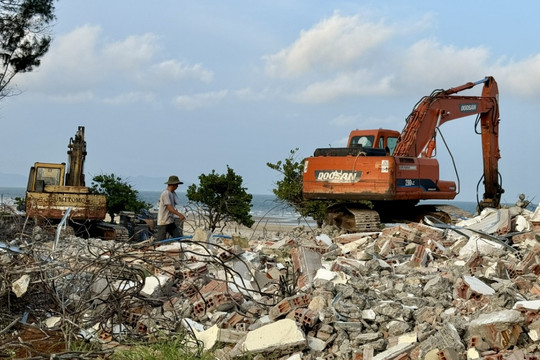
366	220
113	232
353	219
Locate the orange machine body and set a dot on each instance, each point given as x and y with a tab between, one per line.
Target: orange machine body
385	165
369	175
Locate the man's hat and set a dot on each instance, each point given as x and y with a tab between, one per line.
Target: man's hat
173	179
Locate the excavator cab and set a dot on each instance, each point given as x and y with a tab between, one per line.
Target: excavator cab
43	174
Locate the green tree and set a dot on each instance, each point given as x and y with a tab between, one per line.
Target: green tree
222	199
23	37
121	196
289	189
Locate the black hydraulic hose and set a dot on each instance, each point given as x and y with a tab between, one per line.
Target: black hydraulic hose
451	157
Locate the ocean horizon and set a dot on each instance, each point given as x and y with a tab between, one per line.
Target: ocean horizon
264	206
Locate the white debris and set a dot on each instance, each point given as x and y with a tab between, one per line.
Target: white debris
282	334
20	286
478	286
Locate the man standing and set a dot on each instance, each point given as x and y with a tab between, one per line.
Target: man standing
167	210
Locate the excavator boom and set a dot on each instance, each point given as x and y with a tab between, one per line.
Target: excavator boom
443	106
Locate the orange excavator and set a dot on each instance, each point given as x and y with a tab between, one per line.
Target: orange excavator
394	171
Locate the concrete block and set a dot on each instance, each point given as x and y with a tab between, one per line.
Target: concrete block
521	224
201	235
534	331
473	354
491	221
323	239
446	337
192	270
297	356
318	303
281	335
209	337
53	321
419	257
324	274
527	304
154	283
369	314
286	305
500	330
316	344
20	286
479	246
394	351
535	218
529	309
408	338
448	354
478	286
306	262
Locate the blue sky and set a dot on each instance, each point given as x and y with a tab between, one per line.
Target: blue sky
191	86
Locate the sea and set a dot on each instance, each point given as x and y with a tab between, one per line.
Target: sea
265	207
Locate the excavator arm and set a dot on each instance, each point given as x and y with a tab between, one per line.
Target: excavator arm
418	136
76	157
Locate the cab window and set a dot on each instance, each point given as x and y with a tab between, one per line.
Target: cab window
50	176
391	142
365	141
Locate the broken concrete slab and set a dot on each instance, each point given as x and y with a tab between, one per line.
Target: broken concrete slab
490	221
483	247
281	335
500	329
154	283
394	352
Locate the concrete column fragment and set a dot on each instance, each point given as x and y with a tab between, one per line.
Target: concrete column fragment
500	330
306	262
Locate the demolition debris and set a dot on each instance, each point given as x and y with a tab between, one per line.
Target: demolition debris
466	290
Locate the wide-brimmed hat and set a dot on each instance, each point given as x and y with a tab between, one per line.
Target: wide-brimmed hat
173	179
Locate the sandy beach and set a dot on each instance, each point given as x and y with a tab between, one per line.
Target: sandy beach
262	228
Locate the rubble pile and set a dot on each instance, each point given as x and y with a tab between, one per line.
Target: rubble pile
468	290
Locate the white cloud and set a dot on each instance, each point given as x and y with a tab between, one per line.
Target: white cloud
73	98
131	53
177	70
131	98
83	59
190	102
334	43
354	84
346	120
71	61
521	77
430	63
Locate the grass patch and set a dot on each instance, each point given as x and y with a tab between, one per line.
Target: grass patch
177	347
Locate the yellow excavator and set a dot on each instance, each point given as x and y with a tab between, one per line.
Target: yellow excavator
54	188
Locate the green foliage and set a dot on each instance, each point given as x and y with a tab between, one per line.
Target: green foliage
121	196
222	199
20	202
23	37
289	189
170	348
